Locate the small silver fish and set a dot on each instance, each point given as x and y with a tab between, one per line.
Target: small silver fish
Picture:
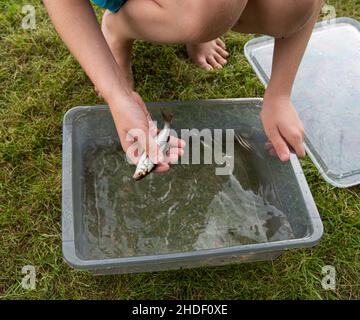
145	165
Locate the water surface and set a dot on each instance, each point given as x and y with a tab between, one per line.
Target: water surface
189	208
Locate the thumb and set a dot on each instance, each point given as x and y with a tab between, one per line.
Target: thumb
280	145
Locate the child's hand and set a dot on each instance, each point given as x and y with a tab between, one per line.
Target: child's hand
131	118
283	126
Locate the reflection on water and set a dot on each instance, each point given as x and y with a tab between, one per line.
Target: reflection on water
188	208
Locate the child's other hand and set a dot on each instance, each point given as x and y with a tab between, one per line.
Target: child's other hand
282	126
136	130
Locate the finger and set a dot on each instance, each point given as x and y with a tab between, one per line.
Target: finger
282	150
272	152
299	149
172	156
211	60
222	52
220	59
176	142
270	149
162	167
296	140
221	43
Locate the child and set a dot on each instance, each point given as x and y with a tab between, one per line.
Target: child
105	53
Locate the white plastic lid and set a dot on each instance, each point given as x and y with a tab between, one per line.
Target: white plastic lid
326	95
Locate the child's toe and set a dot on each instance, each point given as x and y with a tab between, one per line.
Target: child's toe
203	63
220	59
212	61
220	43
222	52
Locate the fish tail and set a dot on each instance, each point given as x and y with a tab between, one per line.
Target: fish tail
167	116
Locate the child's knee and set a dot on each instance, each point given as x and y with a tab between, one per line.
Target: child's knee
204	20
307	9
301	13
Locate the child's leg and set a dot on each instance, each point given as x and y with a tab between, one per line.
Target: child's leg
277	18
291	22
176	21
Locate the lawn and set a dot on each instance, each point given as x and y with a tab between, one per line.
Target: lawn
40	81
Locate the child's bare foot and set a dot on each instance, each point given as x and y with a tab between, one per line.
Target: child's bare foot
208	55
121	48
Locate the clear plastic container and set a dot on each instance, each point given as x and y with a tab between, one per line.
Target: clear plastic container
188	216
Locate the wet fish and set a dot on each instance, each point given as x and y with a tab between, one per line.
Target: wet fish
145	165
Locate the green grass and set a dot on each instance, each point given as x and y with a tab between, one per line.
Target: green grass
40	81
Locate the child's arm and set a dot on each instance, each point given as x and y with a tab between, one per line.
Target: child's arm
281	122
77	25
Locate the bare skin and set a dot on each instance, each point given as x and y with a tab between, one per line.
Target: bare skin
296	21
208	55
106	56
